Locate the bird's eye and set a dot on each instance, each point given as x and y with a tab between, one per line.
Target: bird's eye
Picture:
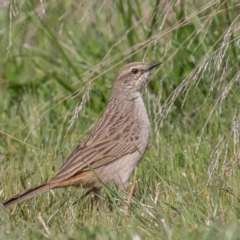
134	71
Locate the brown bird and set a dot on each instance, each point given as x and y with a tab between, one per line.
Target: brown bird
115	145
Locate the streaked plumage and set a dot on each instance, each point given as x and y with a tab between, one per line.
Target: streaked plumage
115	145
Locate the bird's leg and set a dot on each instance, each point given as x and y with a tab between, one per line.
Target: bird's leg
128	201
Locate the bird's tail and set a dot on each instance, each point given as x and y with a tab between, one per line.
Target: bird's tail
27	194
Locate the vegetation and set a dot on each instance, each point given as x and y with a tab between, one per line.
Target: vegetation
58	61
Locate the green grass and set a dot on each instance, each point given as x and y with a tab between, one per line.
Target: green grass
58	61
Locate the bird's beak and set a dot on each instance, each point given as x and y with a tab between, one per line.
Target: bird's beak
153	65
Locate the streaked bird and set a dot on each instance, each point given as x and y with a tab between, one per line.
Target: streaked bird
115	145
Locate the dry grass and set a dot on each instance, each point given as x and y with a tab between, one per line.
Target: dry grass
58	62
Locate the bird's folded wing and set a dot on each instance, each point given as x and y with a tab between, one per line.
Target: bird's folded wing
94	156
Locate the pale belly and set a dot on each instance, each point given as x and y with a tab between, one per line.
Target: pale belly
120	170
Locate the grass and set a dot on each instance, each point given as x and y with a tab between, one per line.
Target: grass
58	61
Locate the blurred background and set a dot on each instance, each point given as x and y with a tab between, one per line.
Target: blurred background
58	62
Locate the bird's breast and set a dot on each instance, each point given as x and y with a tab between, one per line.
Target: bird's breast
143	123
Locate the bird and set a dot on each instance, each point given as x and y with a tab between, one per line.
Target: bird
115	145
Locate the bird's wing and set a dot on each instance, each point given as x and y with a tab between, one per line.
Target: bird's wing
101	149
94	156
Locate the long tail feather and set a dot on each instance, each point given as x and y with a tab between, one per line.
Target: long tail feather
27	194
